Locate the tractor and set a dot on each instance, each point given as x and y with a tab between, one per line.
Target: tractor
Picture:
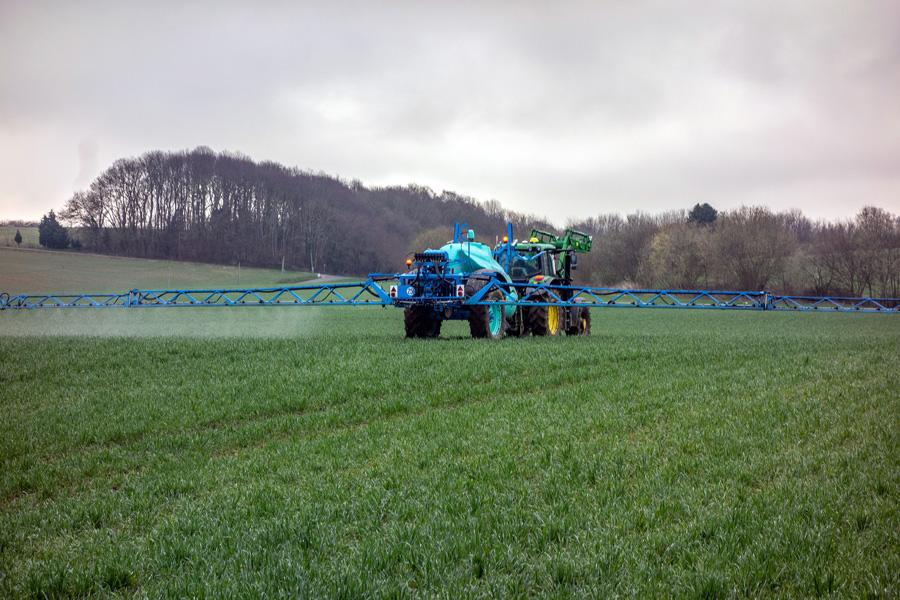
444	284
547	260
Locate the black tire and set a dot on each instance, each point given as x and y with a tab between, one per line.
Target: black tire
421	322
539	319
435	329
580	321
480	316
480	319
516	326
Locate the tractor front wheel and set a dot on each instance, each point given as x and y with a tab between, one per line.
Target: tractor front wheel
580	320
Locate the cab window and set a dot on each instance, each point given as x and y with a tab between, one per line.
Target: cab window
523	268
549	269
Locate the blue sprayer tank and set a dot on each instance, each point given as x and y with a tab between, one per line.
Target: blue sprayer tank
468	257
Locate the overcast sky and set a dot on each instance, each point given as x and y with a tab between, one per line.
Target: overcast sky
560	109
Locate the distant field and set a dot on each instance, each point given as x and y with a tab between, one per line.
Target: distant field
29	236
44	271
315	452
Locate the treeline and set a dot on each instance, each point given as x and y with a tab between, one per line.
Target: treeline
226	208
751	248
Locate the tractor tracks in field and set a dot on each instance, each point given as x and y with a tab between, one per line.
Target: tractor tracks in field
140	448
126	452
231	436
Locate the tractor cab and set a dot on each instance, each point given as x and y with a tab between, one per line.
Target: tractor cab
544	257
530	260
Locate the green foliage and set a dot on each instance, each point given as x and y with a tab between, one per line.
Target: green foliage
684	453
51	234
703	214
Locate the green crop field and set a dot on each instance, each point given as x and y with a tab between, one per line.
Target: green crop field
29	236
40	271
316	452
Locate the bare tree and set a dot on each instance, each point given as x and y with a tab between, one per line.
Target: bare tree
752	246
677	258
226	208
879	250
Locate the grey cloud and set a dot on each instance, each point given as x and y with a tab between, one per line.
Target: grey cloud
597	106
87	163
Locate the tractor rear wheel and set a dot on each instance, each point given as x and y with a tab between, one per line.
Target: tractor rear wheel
580	321
486	321
544	320
421	321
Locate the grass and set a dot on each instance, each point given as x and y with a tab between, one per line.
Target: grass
29	236
40	271
315	452
693	453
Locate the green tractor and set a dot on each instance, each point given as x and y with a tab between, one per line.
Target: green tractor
546	259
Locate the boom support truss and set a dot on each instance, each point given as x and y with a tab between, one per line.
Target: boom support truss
371	292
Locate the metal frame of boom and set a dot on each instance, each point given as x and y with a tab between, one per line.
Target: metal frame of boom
371	293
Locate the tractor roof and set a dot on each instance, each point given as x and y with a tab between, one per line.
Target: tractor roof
533	246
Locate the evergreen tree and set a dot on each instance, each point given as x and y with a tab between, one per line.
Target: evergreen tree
703	214
51	234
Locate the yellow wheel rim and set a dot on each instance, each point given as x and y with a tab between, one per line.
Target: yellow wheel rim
553	320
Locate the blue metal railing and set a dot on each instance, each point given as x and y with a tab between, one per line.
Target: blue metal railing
333	294
542	295
372	292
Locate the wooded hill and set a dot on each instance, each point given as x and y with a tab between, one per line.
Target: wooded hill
221	207
226	208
